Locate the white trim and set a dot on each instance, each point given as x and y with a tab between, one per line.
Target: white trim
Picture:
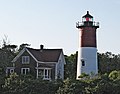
31	55
45	62
37	64
56	70
10	68
20	53
42	68
40	62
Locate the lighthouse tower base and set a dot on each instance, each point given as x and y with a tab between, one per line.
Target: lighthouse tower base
87	61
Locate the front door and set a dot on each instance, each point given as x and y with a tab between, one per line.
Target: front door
44	73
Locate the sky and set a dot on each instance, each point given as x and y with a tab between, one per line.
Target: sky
53	23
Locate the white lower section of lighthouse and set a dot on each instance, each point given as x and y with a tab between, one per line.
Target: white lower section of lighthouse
87	61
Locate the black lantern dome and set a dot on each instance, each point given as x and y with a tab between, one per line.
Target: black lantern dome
87	17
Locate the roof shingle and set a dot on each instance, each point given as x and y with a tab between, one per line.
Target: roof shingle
46	55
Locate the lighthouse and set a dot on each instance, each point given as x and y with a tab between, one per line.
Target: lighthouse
87	52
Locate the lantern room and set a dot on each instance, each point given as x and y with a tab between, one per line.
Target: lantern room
87	17
87	21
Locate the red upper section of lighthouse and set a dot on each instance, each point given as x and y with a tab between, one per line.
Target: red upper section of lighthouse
88	37
88	31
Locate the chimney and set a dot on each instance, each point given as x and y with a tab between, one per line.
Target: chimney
41	47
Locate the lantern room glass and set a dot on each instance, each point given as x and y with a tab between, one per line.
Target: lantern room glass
87	19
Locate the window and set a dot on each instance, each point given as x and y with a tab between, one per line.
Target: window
11	70
44	73
25	59
47	74
83	62
25	70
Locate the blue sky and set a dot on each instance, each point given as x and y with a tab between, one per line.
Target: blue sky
52	23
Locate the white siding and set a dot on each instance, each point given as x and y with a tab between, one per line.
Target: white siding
60	67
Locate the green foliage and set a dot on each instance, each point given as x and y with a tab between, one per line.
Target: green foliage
1	71
72	87
99	85
71	66
108	62
7	53
83	75
114	75
15	84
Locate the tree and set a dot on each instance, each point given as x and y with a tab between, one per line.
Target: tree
7	53
23	46
13	85
71	86
108	62
71	66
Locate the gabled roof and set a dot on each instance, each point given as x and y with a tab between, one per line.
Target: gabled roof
42	55
46	55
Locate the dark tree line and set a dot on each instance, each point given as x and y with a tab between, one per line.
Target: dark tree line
7	53
108	62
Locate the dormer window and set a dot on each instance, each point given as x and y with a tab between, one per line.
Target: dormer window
25	59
